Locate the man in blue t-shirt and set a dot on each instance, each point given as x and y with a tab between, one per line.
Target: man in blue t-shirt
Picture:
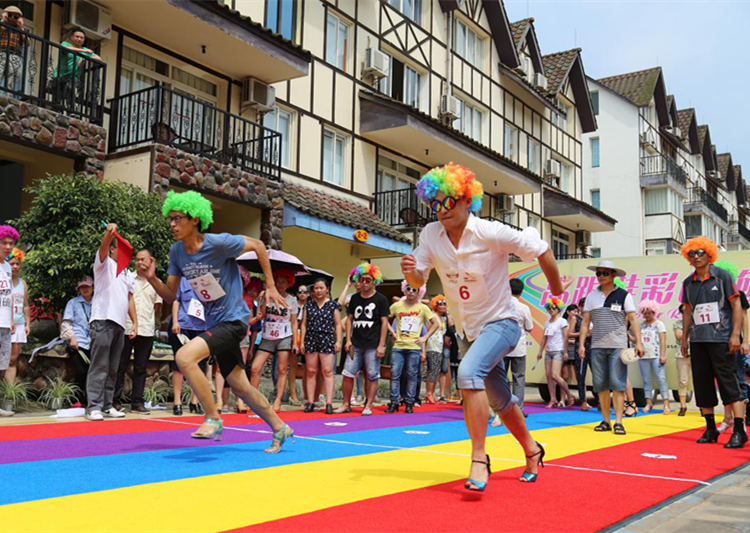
208	262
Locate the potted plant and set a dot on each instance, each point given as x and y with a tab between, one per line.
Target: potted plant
156	392
13	395
60	394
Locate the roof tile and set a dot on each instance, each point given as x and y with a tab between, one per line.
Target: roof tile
557	66
518	29
638	87
684	118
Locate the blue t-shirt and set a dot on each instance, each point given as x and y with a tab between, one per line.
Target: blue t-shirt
184	295
216	257
78	312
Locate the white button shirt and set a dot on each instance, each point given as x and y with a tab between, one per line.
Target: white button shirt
145	298
475	276
110	301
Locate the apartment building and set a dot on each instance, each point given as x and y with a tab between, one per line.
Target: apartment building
653	168
308	120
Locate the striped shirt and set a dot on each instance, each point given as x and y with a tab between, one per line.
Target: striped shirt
608	316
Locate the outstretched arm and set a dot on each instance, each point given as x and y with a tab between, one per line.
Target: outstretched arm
551	272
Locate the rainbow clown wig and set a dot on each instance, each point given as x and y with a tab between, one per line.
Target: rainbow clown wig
723	264
435	300
367	269
452	180
192	204
286	273
649	305
17	254
556	302
701	243
420	294
9	231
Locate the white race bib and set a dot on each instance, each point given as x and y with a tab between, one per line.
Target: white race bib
464	285
647	339
706	313
616	307
276	330
196	309
410	324
17	303
207	288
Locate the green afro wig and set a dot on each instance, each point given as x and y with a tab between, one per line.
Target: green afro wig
191	203
729	267
619	283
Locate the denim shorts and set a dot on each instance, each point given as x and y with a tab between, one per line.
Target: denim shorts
366	358
482	366
608	372
554	356
276	345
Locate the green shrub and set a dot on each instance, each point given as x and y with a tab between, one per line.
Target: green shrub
59	394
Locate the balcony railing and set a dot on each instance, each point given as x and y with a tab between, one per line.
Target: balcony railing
656	165
402	208
573	256
738	229
166	116
47	74
699	195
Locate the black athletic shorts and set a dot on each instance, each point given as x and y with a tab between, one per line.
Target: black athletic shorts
224	343
175	343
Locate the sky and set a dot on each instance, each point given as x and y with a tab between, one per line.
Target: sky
703	48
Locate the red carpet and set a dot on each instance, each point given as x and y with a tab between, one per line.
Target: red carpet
571	500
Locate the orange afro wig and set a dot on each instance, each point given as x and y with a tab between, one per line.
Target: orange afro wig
286	273
701	243
435	300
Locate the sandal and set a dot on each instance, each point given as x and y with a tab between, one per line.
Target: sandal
551	405
528	477
630	405
478	485
279	437
215	428
619	429
603	426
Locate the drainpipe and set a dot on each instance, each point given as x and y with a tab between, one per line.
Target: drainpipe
449	61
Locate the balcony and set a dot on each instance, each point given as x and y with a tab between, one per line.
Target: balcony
699	200
574	214
659	170
159	115
739	234
52	77
562	257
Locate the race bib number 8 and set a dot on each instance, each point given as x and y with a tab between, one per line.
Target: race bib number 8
207	288
706	313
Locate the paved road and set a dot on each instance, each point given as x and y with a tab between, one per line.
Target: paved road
724	507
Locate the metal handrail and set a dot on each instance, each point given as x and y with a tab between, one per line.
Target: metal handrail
699	195
654	165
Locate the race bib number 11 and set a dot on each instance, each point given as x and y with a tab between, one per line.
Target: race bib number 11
706	313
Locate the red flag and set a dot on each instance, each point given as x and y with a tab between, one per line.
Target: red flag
124	253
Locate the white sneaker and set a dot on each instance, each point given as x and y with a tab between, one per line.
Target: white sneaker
496	422
3	412
357	400
366	411
724	426
95	415
114	413
342	409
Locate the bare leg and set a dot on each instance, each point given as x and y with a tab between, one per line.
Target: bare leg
187	359
516	424
15	351
347	387
556	368
619	397
371	388
311	363
326	365
293	378
260	359
281	383
605	403
551	385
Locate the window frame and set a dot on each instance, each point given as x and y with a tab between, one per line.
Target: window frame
595	102
596	198
473	111
287	142
510	151
536	169
595	152
279	15
339	23
400	8
344	163
464	53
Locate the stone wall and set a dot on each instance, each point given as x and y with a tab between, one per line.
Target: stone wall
173	166
68	136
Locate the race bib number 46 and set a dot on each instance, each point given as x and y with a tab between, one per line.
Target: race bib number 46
207	288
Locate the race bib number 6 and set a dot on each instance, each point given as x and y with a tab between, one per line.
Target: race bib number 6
464	285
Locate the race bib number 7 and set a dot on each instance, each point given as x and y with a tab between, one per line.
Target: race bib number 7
207	288
706	313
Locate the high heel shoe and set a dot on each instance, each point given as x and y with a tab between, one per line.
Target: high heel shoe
193	408
177	410
217	428
478	485
709	436
528	477
309	407
280	436
329	409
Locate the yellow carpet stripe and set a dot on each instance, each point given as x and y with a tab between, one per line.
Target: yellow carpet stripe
228	501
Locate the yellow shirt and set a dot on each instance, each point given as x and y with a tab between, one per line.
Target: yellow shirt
409	322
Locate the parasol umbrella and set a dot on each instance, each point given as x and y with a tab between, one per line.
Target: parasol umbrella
314	273
278	259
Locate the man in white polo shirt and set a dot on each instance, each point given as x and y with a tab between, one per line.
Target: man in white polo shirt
111	305
471	257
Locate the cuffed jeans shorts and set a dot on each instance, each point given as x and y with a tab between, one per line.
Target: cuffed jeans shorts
608	372
482	367
366	358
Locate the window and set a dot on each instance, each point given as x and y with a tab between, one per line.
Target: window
693	226
595	152
534	162
657	201
471	121
281	121
596	252
656	247
334	157
281	17
565	171
534	221
403	83
337	46
411	8
560	243
676	202
469	45
511	142
595	101
560	118
596	199
412	86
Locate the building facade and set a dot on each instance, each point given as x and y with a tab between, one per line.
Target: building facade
306	120
653	168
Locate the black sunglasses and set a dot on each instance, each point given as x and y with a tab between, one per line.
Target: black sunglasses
411	289
441	302
14	16
303	291
603	273
696	253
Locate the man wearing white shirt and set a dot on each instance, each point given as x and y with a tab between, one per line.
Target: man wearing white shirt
471	257
110	307
517	358
148	309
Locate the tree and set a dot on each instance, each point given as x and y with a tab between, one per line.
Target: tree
62	230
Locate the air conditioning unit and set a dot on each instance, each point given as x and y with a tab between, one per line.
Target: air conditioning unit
257	94
526	66
648	142
552	168
376	64
540	80
715	175
674	131
506	204
584	238
450	107
93	19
